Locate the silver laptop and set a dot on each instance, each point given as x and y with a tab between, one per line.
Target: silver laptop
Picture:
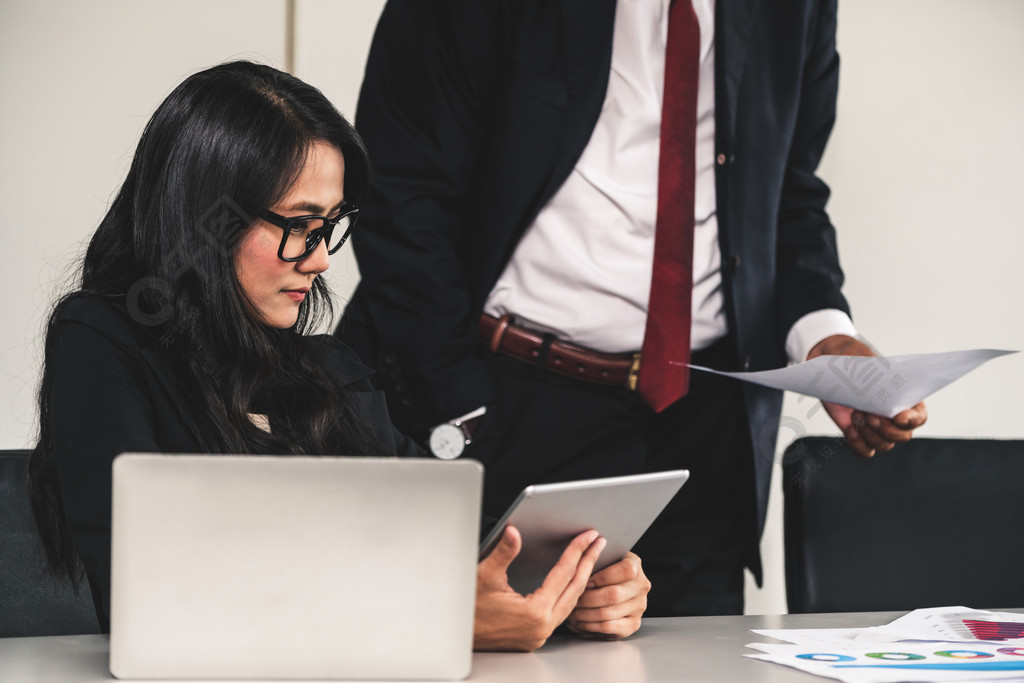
264	567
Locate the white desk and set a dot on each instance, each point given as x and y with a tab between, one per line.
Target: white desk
692	649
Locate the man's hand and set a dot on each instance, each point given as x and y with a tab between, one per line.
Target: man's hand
614	601
506	620
867	433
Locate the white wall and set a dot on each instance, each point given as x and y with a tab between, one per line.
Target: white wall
78	81
924	164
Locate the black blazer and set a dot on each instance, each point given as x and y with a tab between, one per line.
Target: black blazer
111	391
475	112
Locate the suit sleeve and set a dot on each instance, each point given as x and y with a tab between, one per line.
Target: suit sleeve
422	111
809	275
98	409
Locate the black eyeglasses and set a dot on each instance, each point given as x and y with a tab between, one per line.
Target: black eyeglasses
302	234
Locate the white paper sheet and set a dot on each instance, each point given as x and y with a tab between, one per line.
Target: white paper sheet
895	662
816	637
936	644
880	385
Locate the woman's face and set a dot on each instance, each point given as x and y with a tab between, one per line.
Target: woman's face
275	287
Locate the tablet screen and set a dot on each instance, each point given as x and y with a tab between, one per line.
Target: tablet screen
549	516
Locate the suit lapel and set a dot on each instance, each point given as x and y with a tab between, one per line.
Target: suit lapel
734	22
587	28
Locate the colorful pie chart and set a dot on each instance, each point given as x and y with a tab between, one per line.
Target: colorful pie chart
964	654
825	657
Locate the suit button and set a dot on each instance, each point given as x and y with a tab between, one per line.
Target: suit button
402	388
391	359
721	159
734	262
746	364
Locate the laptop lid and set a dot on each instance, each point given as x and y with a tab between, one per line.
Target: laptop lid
293	567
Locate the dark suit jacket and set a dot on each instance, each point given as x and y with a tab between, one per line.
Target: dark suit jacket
112	391
475	112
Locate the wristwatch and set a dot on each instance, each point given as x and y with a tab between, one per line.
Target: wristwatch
448	440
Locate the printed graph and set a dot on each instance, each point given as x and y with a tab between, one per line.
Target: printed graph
994	630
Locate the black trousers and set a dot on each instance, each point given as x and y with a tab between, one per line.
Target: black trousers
547	428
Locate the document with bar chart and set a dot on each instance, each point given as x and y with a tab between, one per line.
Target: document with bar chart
952	625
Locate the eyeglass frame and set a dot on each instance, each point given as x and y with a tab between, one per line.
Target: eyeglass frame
286	222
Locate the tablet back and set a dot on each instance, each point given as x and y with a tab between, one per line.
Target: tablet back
293	567
548	516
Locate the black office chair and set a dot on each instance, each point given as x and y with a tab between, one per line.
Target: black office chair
32	603
933	522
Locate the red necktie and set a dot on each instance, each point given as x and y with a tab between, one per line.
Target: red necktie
664	376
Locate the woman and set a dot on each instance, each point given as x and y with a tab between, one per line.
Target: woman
187	335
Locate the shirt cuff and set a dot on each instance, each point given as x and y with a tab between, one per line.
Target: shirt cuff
812	328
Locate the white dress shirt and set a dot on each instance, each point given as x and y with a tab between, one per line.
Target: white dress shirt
582	271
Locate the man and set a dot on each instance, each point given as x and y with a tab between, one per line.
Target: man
509	258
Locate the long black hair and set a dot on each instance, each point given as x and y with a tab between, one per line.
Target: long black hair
226	144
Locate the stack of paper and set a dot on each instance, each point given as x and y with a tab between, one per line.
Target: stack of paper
938	644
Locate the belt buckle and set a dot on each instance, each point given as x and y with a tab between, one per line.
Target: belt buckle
634	372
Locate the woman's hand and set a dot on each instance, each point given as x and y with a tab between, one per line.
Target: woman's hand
613	602
506	620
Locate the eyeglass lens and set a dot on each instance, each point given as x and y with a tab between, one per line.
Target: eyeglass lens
305	235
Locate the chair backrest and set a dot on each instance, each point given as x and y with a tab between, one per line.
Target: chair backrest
933	522
32	603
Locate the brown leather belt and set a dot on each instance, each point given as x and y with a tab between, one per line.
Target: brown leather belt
563	358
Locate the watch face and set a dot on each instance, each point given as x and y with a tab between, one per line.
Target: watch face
447	441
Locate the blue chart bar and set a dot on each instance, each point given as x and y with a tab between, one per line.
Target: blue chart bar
954	666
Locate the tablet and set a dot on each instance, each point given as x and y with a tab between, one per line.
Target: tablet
548	516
